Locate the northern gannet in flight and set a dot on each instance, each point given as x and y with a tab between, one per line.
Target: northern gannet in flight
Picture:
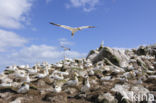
72	29
65	48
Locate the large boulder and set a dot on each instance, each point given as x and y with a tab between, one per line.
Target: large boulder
115	56
92	54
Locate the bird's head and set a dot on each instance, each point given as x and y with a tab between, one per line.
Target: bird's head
75	74
24	83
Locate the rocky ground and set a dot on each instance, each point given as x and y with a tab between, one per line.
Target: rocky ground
107	75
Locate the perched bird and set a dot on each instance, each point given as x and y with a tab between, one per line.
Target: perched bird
32	71
20	74
57	89
86	84
57	76
11	68
73	30
43	75
72	82
91	72
5	85
27	78
59	72
23	66
24	88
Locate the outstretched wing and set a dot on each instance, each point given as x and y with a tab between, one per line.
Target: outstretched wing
63	26
84	27
65	48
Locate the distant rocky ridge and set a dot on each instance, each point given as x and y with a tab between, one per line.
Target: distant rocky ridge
106	75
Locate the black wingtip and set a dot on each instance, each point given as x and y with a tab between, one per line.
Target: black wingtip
51	23
93	27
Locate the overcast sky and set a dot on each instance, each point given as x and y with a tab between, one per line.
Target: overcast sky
26	37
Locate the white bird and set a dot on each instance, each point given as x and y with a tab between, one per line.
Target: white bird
32	71
59	65
86	85
11	68
15	85
65	49
91	72
5	85
45	65
20	74
57	76
5	78
44	74
72	82
24	88
27	79
62	73
23	66
57	89
73	30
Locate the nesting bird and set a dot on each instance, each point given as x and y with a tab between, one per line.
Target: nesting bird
72	29
57	89
11	68
5	85
44	74
32	71
60	72
20	74
86	84
27	79
57	76
73	82
24	88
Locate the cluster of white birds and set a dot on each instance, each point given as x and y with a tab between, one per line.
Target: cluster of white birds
19	78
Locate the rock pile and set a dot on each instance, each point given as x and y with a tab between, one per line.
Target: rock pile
107	75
